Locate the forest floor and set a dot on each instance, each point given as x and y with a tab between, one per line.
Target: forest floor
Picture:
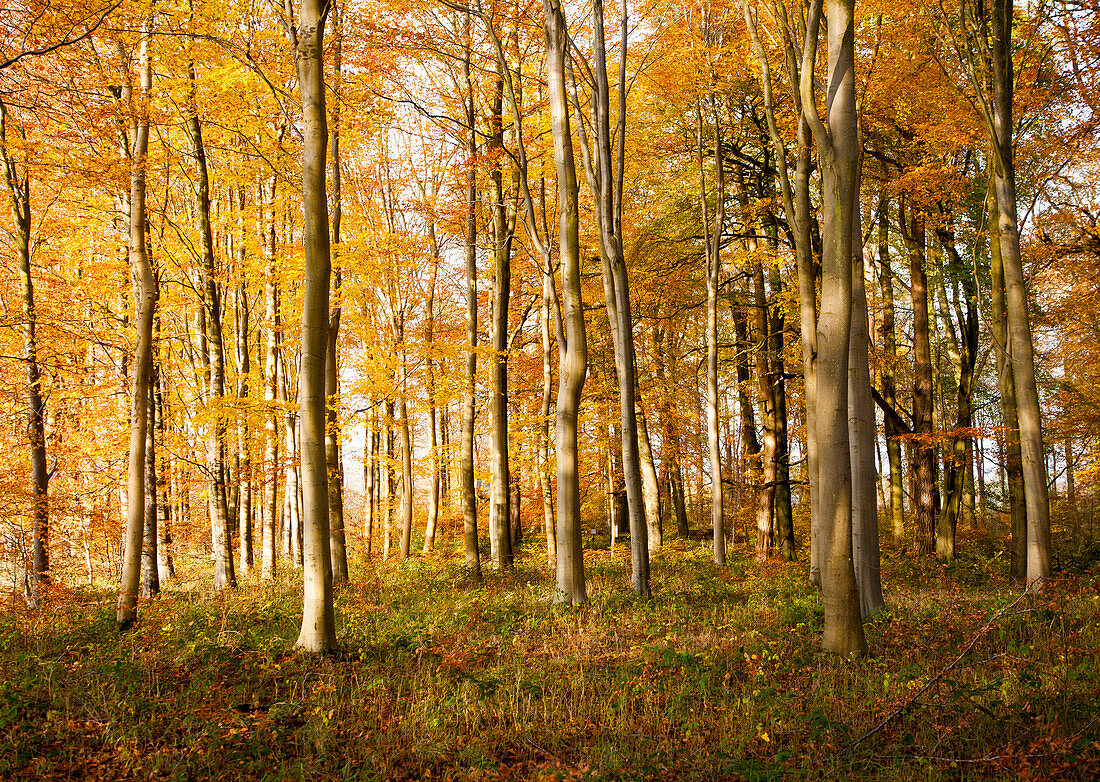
718	676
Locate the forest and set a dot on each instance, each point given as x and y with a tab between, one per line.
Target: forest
499	390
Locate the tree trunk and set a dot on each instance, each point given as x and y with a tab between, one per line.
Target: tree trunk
502	224
544	424
271	386
573	343
861	433
19	190
224	577
337	541
150	580
429	369
712	243
838	155
466	442
888	372
144	291
924	453
1002	352
1021	349
244	436
318	634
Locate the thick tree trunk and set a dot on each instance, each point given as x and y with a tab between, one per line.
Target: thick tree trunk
861	433
838	155
1021	349
1006	385
318	634
604	167
573	347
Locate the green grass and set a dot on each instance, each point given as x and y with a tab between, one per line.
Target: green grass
717	677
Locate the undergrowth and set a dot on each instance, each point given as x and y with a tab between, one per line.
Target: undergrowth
718	676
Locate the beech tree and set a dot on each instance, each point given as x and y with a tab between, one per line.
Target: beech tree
318	634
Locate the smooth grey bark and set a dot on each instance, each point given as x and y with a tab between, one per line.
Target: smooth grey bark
838	157
1022	351
604	168
466	439
214	357
318	633
502	225
144	292
573	341
1006	386
712	244
337	542
861	434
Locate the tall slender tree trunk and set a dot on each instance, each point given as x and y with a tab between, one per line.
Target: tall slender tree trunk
144	291
434	454
502	224
1022	350
337	542
466	441
271	386
544	424
861	434
244	435
224	577
888	372
166	569
19	191
712	242
924	452
765	498
573	342
150	576
1006	385
318	634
